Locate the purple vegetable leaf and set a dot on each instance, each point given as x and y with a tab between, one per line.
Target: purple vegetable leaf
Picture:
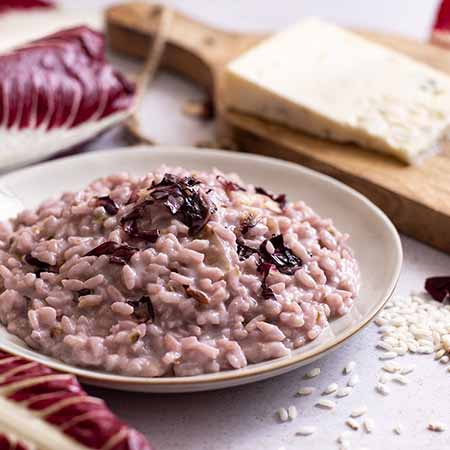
438	287
184	200
283	258
264	269
57	92
229	186
108	203
118	254
143	309
244	251
280	199
7	5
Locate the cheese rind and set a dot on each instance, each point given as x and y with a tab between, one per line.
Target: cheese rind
331	83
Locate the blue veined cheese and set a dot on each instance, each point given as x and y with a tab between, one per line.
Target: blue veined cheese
329	82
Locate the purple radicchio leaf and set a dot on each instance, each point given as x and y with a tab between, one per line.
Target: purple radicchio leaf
438	288
280	199
109	204
264	269
40	266
229	186
118	254
132	223
57	92
182	197
283	258
244	251
143	309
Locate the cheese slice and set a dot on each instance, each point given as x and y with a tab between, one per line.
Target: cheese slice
321	79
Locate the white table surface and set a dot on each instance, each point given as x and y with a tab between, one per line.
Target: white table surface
243	418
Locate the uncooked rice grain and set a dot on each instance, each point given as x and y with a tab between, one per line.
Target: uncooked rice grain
388	355
330	389
352	423
313	373
306	391
344	392
292	412
400	379
407	369
353	380
306	430
282	414
369	425
382	389
348	369
359	411
325	403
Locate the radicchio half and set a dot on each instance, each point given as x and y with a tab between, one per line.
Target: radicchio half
440	34
7	5
62	415
57	92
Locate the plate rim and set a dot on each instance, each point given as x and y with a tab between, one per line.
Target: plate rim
252	370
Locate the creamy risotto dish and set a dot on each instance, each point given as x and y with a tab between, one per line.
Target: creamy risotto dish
176	273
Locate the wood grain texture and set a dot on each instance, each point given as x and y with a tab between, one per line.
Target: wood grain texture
416	198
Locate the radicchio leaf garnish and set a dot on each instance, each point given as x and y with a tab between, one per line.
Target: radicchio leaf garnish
118	254
229	186
280	198
131	223
109	204
41	266
84	292
283	258
57	92
184	200
56	400
244	251
201	297
6	5
264	269
143	309
438	287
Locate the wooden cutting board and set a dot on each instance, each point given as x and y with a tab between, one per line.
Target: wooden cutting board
416	198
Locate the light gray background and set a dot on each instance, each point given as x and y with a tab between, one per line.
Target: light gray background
243	418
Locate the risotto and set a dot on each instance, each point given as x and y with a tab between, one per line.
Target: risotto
174	273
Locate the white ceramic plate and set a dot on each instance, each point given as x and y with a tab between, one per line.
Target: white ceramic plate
373	237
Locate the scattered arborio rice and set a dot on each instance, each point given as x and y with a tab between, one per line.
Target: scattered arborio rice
173	273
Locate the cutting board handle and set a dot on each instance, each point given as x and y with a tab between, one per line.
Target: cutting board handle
194	49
